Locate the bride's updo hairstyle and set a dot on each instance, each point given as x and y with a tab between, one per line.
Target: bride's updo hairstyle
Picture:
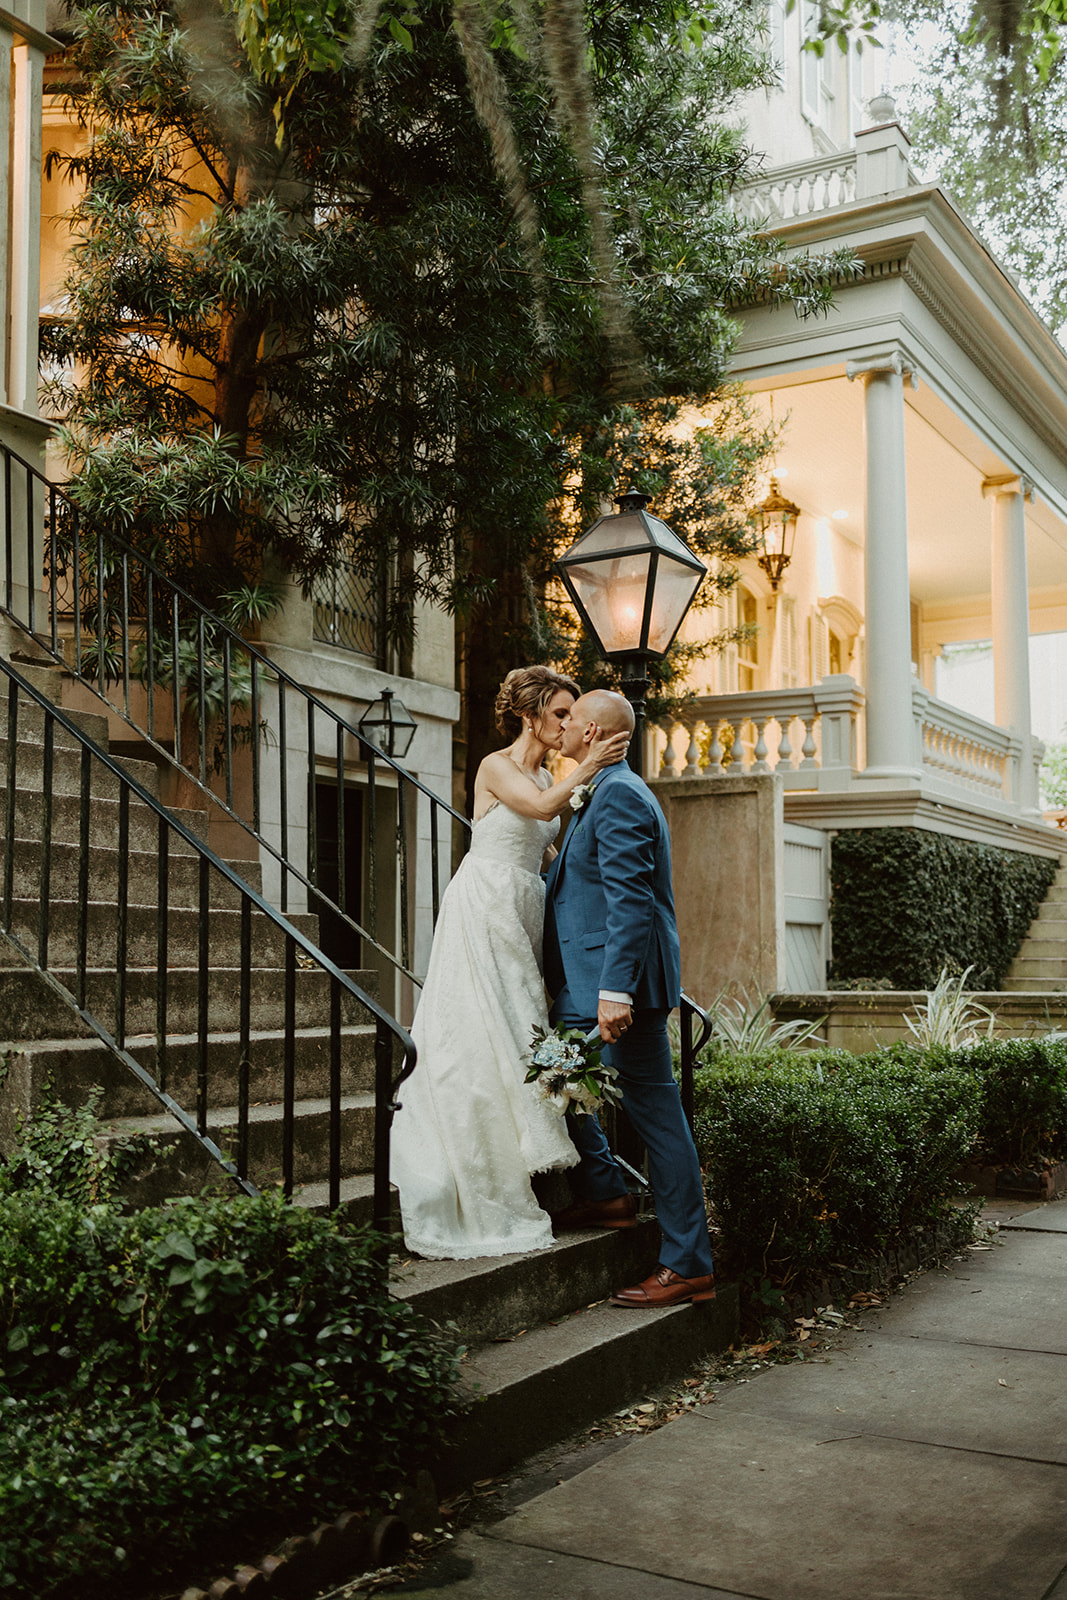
526	692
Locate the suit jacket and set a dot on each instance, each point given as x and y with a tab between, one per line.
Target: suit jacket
609	910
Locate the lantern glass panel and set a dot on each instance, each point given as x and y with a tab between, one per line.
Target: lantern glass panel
613	533
675	588
613	595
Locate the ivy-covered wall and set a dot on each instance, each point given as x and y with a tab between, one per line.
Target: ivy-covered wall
906	903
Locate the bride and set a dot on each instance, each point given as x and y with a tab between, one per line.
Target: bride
470	1131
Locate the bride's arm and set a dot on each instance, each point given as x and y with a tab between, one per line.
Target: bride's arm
500	779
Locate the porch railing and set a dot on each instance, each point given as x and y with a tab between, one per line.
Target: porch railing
224	716
799	189
808	736
119	995
812	738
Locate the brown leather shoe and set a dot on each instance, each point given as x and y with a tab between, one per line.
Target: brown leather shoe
619	1212
666	1288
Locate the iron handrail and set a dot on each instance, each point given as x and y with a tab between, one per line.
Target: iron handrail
112	560
690	1049
388	1032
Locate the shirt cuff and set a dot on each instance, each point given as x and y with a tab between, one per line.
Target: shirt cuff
615	994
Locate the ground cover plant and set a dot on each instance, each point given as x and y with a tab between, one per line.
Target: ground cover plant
174	1380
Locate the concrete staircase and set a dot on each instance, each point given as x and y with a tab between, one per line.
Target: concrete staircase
46	1048
1041	964
548	1356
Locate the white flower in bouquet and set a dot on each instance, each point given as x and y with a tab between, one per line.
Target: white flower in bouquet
566	1069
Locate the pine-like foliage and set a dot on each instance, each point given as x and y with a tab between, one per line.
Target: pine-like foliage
300	327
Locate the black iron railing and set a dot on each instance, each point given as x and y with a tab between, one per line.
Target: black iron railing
692	1043
250	738
125	977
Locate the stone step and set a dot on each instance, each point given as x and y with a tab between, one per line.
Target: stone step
1036	985
183	875
103	823
19	646
496	1297
43	675
66	770
536	1390
183	934
30	1010
1041	945
356	1194
70	1069
170	1162
31	718
1032	966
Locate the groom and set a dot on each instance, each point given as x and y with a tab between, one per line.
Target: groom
612	957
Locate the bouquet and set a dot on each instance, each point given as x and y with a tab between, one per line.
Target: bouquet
569	1074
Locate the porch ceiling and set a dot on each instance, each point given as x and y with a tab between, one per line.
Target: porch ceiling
821	461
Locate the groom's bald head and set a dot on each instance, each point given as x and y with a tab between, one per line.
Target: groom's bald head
611	712
600	712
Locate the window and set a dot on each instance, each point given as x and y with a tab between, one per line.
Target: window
348	610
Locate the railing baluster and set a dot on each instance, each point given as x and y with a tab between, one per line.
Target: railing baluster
201	693
101	639
125	633
150	654
312	808
9	539
283	793
84	804
45	902
335	1093
289	1067
244	1064
255	745
31	559
176	676
77	568
402	845
372	843
383	1118
162	947
342	853
9	798
122	922
53	584
203	970
435	889
227	713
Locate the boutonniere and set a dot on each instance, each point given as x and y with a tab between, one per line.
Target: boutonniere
580	796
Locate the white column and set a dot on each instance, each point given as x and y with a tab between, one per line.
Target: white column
7	41
887	595
28	62
1011	625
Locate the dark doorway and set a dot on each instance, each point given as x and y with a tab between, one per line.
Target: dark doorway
340	942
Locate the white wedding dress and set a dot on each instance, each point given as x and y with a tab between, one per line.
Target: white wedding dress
470	1131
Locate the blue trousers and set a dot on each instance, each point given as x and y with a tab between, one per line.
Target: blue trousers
650	1097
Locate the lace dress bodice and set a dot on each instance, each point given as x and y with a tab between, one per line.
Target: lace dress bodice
501	838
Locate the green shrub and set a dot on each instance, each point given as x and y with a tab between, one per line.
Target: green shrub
822	1158
1023	1108
907	903
179	1377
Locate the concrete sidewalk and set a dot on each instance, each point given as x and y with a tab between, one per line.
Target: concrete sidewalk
924	1459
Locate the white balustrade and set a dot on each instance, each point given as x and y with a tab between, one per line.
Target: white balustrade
810	738
800	189
801	734
964	751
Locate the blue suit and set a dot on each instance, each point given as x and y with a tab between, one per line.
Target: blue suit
610	924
